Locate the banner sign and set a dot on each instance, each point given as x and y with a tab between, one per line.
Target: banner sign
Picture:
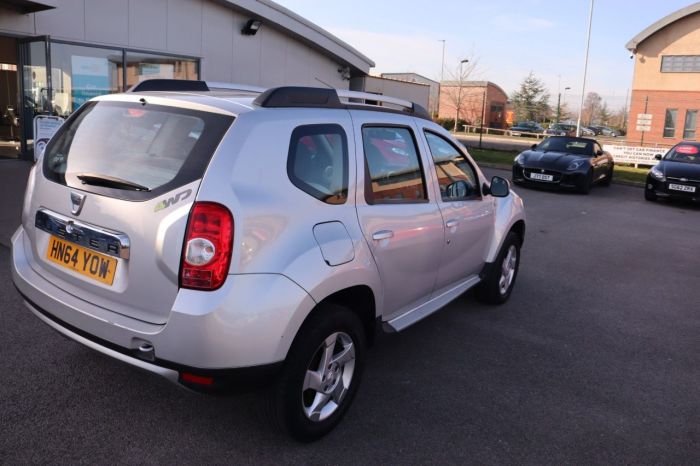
635	155
90	78
45	127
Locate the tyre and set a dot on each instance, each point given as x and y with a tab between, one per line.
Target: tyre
496	287
650	195
608	178
320	375
587	183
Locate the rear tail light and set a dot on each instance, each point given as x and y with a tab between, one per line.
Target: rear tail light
206	254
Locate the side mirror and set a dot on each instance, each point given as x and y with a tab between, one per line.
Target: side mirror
658	156
533	147
599	153
499	187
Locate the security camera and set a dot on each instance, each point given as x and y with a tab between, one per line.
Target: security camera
631	56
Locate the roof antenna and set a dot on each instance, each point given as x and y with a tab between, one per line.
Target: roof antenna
323	82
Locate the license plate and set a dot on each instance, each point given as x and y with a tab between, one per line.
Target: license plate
82	260
681	187
540	176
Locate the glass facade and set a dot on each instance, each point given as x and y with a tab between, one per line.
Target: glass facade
80	72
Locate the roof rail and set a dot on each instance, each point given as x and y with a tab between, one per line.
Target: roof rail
407	106
317	97
187	85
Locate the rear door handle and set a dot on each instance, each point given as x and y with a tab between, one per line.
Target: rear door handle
452	223
382	234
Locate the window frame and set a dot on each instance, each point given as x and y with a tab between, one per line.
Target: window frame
671	59
693	129
675	123
369	193
323	129
479	195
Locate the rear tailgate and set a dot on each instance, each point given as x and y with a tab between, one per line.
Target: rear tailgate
107	214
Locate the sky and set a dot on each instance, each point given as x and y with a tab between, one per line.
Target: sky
507	38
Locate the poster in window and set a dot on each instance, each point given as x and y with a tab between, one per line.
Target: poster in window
90	78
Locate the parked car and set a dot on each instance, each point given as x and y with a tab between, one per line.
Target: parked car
605	131
154	232
561	129
586	131
526	127
564	162
677	175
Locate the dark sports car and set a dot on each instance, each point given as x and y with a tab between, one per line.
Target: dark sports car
677	175
564	162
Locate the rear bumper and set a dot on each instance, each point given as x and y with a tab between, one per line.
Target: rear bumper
230	333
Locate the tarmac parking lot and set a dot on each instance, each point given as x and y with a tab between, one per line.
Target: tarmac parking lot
595	359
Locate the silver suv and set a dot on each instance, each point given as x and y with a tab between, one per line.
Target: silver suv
218	235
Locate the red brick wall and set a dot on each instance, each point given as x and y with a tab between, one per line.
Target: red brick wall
472	101
658	102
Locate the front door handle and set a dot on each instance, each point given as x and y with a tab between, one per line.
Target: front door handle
452	223
382	234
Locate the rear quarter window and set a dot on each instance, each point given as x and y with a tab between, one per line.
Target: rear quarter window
158	147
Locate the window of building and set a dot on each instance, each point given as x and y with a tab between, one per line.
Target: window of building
142	66
691	123
456	177
394	172
318	162
670	123
680	64
80	73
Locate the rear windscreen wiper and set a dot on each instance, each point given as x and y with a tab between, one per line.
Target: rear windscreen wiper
110	182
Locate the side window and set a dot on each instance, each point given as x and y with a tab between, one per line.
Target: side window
394	173
318	162
456	177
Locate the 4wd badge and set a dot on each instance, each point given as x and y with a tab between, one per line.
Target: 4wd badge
165	203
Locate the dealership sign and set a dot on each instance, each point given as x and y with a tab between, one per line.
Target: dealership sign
635	155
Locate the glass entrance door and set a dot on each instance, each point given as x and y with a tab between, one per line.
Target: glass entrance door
36	86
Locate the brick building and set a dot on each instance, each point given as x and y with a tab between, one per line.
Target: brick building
474	96
666	83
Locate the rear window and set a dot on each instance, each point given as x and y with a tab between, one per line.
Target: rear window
157	148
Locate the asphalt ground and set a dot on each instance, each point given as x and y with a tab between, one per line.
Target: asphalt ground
594	360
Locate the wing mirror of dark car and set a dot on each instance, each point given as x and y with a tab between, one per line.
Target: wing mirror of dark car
533	147
599	153
457	190
499	187
658	156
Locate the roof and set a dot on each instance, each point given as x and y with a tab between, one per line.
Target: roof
472	84
384	78
27	6
660	24
271	13
403	77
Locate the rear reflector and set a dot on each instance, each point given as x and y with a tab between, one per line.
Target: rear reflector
206	253
198	379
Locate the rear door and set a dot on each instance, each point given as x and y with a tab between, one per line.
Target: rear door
109	208
399	218
468	215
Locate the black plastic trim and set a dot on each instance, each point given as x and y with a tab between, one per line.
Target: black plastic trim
296	96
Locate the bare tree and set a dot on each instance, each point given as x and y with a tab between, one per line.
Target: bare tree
456	96
591	107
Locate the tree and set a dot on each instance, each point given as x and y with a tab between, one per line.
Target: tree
604	115
591	107
531	101
455	96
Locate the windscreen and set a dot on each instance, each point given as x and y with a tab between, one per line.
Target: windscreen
568	145
148	149
686	153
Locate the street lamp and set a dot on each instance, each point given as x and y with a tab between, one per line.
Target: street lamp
442	77
559	103
585	70
459	93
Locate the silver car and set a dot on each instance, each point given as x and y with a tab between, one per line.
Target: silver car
222	235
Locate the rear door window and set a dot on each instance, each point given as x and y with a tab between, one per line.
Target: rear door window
394	172
318	162
144	150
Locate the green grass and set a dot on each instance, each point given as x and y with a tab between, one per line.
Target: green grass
501	157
